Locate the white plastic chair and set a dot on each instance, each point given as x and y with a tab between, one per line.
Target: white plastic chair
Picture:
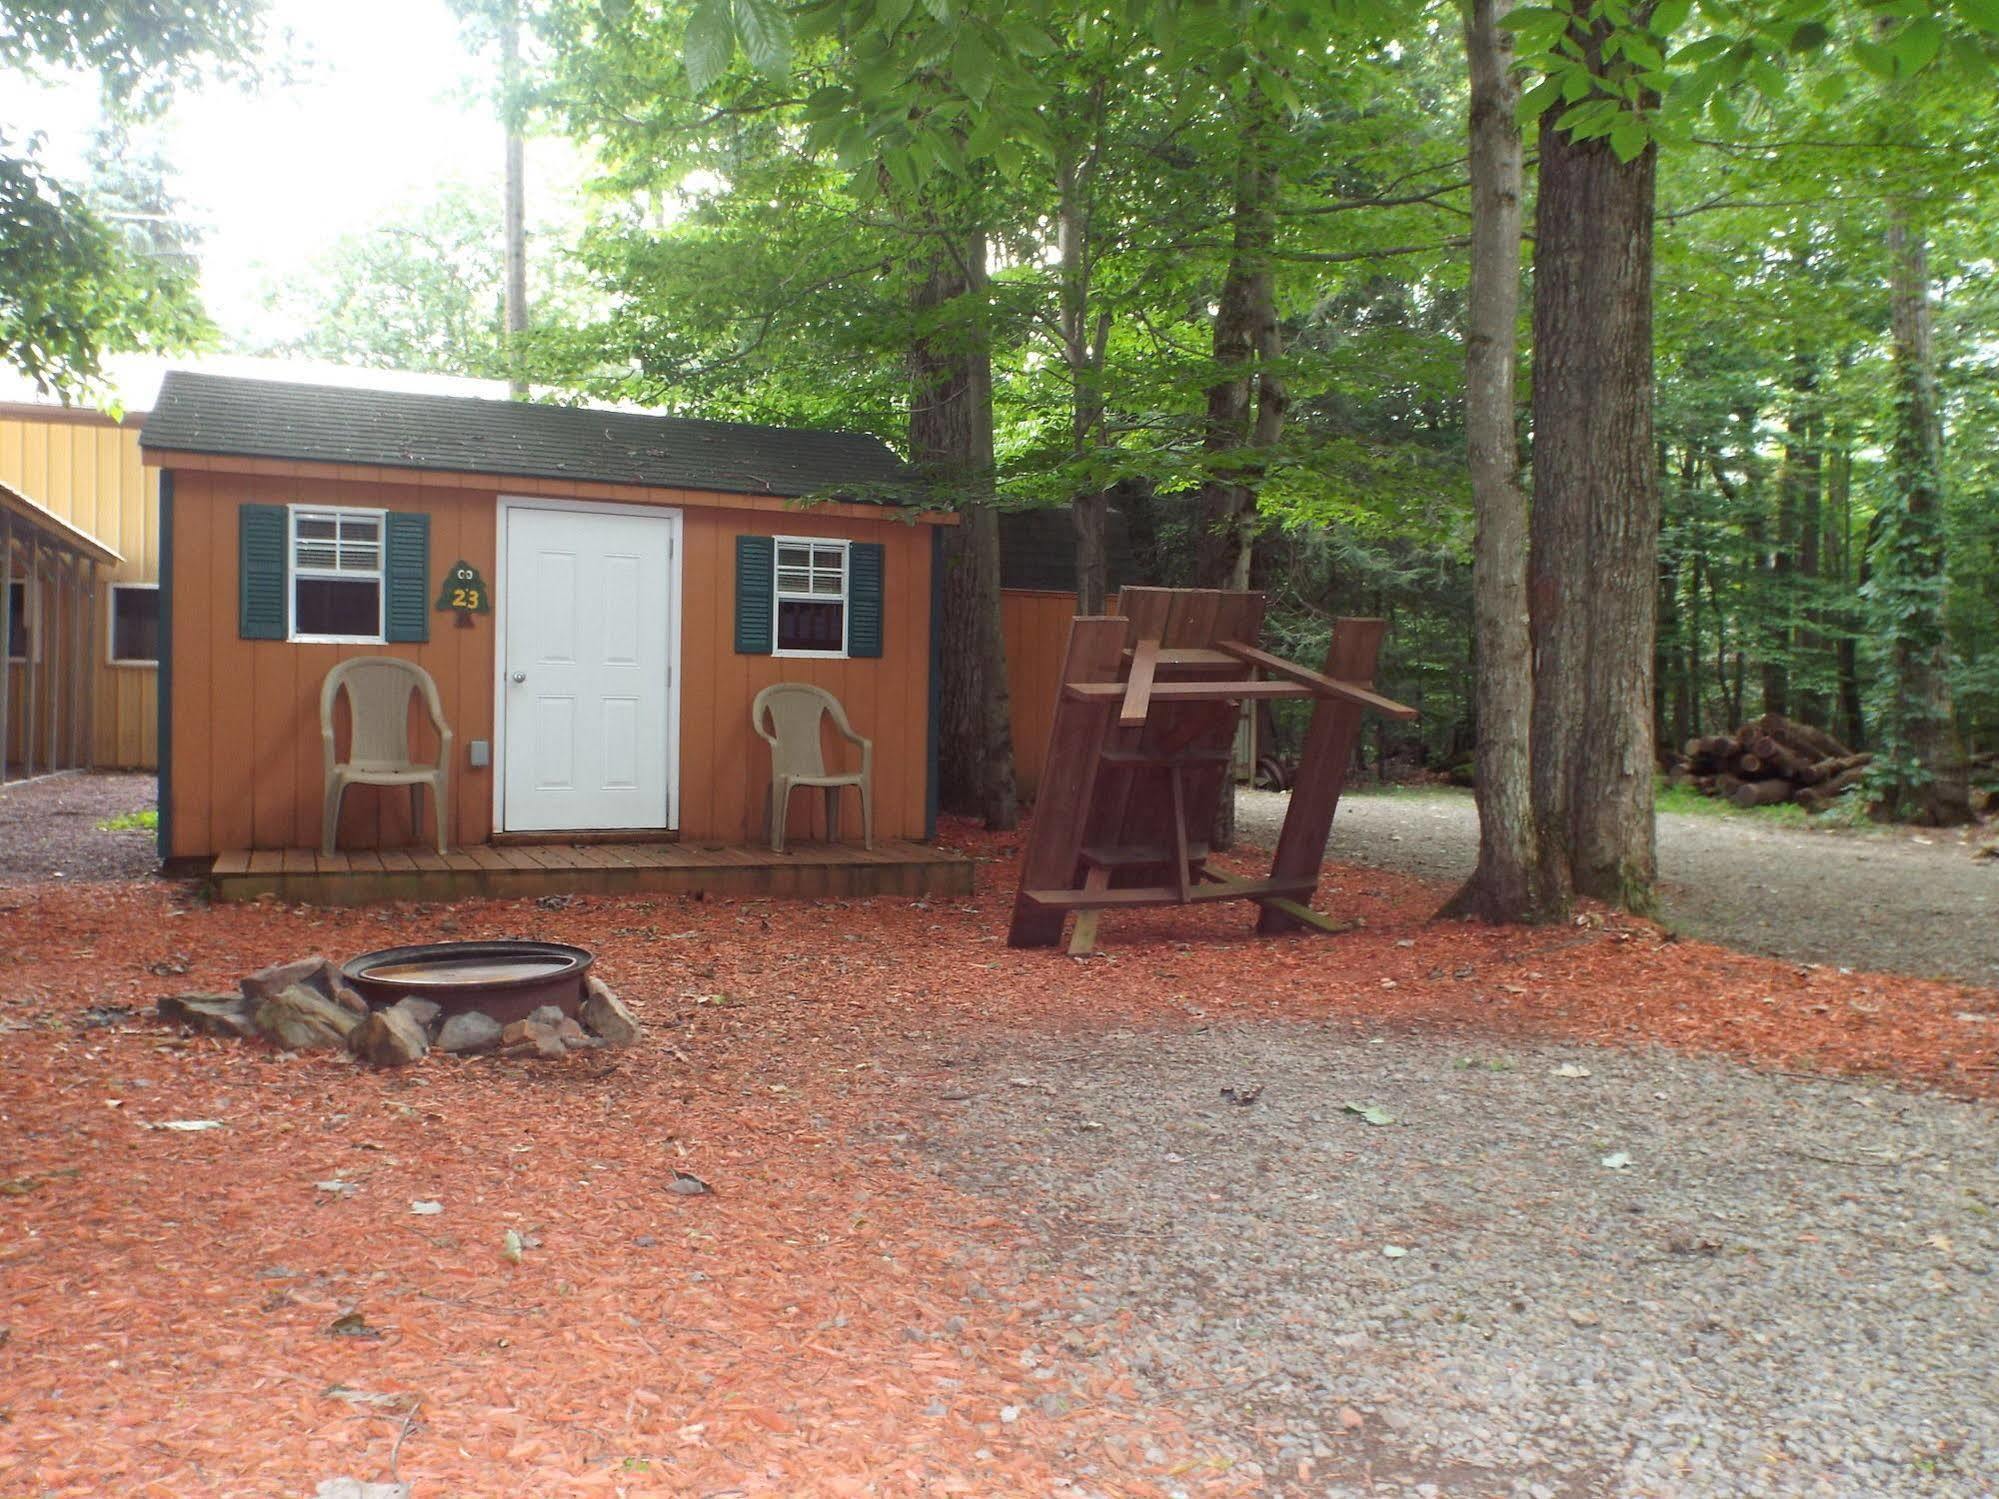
378	692
795	710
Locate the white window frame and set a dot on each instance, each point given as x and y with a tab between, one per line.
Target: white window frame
31	617
778	596
293	572
111	628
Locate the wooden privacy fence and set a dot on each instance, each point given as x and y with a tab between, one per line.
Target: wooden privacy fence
1138	758
49	598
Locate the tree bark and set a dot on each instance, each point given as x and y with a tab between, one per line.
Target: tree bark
1779	571
514	210
1852	716
951	446
1802	480
1085	340
1595	524
1247	401
1933	784
1508	883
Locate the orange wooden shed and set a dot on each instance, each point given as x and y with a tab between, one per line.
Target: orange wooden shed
598	595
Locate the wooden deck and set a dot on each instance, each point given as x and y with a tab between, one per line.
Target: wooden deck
804	871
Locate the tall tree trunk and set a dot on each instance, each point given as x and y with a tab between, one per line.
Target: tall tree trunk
1779	574
1695	665
1802	480
1083	348
951	445
1846	646
1919	732
514	211
1595	523
1508	884
1247	401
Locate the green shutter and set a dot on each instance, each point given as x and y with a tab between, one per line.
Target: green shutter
756	563
261	537
864	598
405	577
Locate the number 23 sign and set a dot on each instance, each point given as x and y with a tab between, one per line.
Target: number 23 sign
464	593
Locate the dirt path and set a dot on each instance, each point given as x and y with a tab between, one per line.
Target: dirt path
1369	1265
1854	900
51	828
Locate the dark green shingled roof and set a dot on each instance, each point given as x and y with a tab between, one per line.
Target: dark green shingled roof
231	417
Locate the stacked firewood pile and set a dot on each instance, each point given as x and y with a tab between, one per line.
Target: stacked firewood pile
1770	761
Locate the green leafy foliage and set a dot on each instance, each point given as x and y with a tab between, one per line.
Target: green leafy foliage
770	196
421	290
72	286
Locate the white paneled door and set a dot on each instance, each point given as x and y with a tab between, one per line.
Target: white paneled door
585	679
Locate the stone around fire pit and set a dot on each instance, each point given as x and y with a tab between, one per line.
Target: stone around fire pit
300	1018
467	1032
304	1006
423	1011
316	972
605	1014
394	1037
209	1014
532	1038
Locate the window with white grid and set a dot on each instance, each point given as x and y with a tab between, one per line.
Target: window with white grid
336	574
811	597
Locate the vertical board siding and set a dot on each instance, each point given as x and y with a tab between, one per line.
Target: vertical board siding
86	468
247	768
1035	628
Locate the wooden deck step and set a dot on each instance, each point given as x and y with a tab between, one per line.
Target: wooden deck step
806	871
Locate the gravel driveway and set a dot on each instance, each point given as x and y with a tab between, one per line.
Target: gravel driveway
1543	1271
49	828
1851	899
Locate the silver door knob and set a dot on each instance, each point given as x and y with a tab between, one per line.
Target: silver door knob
520	676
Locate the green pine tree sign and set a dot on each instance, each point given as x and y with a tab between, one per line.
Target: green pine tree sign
464	593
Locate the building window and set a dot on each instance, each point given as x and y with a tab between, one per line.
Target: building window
336	575
20	638
135	624
811	597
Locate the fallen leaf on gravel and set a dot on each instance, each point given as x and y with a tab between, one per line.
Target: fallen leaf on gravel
363	1397
184	1126
687	1184
1570	1069
1618	1160
1940	1242
510	1247
355	1488
1372	1113
426	1208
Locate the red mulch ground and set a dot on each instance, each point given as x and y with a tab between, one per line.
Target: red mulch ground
171	1295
